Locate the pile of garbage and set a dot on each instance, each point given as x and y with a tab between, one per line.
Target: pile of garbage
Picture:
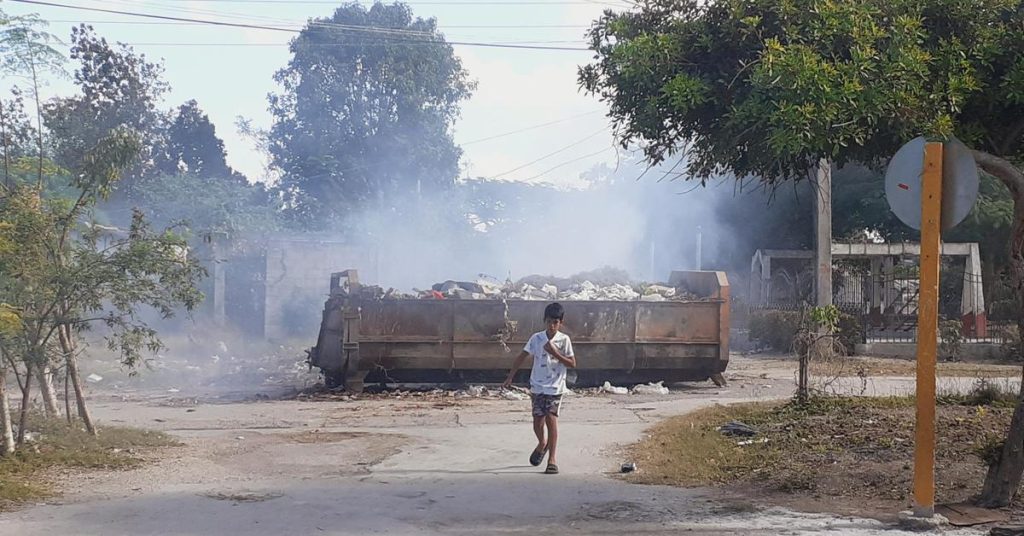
601	285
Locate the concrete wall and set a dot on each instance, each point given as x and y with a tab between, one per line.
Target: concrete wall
298	276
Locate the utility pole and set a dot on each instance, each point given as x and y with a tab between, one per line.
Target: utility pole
700	248
821	175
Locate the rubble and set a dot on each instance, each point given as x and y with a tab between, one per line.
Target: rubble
650	389
599	285
611	389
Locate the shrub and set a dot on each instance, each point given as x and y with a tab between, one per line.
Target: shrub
775	329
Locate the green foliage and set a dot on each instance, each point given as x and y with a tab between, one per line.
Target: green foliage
119	89
777	330
364	118
191	146
825	318
63	271
765	87
951	338
209	205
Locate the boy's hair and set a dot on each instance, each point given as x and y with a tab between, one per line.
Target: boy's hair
554	311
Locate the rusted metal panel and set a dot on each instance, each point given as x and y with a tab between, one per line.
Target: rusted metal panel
683	322
674	339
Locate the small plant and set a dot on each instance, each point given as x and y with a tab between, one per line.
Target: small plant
951	338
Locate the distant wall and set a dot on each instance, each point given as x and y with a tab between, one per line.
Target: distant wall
298	277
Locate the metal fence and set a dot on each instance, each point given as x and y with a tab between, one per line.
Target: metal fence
886	305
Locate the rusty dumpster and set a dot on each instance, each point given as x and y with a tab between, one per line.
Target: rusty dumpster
463	341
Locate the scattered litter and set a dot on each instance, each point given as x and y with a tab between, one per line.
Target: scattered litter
513	395
611	389
173	390
752	441
94	378
651	389
737	428
476	390
240	438
628	467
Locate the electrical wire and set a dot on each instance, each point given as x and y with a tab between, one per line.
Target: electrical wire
290	30
566	163
527	129
549	155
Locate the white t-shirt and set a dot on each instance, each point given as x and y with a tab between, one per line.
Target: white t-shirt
548	374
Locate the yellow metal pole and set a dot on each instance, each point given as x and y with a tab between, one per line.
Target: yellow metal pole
927	331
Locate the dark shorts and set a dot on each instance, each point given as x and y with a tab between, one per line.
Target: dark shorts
544	405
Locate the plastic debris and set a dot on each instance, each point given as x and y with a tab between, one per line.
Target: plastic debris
651	389
611	389
94	378
737	428
628	467
476	390
753	441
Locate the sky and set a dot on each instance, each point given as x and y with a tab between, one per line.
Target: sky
229	71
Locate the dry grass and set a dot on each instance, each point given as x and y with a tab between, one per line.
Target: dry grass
853	448
869	366
58	445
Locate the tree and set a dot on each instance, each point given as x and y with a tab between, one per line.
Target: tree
209	205
119	89
365	113
63	274
766	87
191	146
26	50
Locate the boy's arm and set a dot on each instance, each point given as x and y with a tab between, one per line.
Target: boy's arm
515	367
569	361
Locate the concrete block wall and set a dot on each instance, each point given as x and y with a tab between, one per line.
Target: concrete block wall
298	276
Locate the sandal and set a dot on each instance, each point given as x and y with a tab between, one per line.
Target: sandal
551	470
538	456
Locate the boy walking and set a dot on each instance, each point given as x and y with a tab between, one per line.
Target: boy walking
552	357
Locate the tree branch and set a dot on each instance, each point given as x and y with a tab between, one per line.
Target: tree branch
1003	170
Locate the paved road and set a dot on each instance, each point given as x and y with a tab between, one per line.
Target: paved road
409	466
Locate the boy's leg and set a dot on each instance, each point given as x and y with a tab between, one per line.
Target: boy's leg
538	429
552	423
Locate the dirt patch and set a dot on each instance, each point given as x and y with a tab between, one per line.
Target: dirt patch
57	447
873	366
242	497
316	436
856	449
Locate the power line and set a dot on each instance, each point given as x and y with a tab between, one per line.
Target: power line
302	24
389	43
526	129
285	30
430	2
566	163
549	155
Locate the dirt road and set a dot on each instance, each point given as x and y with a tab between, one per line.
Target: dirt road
415	465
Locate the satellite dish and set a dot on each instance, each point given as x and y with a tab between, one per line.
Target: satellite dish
960	183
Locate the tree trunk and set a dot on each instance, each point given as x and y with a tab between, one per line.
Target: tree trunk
67	344
1004	477
6	426
44	374
26	401
39	122
7	149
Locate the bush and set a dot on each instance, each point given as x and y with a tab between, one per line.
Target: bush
775	329
851	333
